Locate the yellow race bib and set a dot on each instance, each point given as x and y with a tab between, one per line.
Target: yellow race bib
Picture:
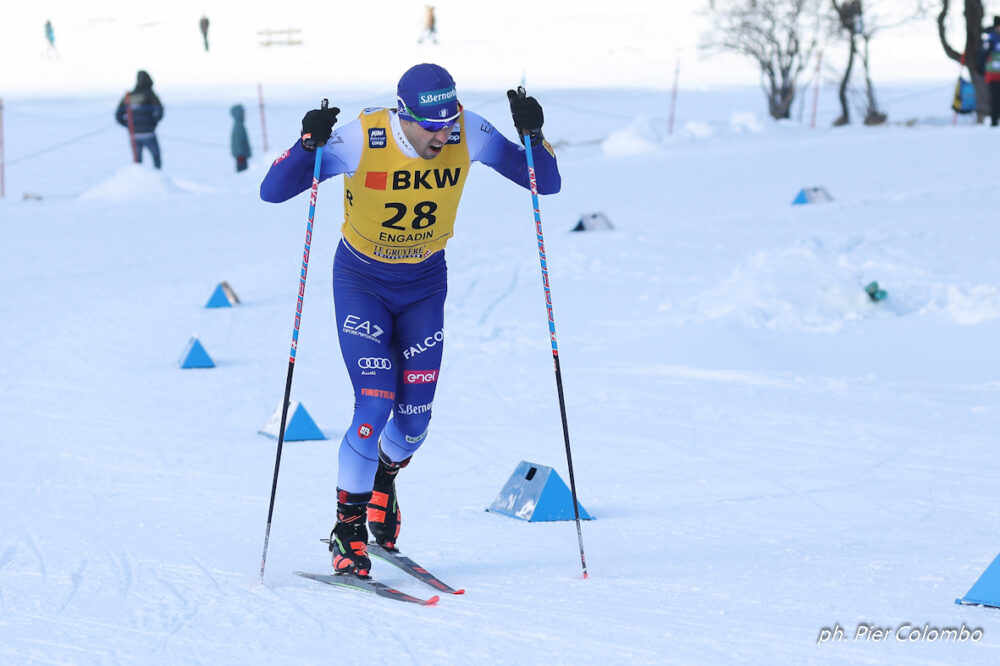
402	209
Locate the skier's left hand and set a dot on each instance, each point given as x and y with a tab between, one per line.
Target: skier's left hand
526	111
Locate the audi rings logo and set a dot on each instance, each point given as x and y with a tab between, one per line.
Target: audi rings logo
374	364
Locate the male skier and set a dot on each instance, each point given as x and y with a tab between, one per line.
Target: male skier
404	170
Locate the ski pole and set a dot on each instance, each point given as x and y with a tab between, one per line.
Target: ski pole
295	343
673	95
552	333
3	191
131	128
263	122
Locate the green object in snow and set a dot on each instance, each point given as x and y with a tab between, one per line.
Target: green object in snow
875	293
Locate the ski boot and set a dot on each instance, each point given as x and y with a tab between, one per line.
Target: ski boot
349	538
383	509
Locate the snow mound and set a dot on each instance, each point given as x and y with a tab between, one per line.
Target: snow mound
745	121
967	306
698	129
638	138
805	287
134	182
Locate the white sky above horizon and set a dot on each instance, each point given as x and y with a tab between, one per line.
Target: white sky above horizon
102	43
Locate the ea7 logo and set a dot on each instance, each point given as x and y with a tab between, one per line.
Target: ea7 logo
420	376
355	326
365	430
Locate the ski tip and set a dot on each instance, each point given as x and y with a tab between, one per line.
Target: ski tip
585	576
459	592
433	600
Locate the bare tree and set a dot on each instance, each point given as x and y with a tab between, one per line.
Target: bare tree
779	35
859	21
969	56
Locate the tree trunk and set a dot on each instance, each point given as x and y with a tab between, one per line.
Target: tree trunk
780	100
845	113
872	115
969	56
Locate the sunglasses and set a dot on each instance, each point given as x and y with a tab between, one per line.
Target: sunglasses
429	124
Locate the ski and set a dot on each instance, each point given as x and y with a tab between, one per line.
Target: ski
409	566
367	585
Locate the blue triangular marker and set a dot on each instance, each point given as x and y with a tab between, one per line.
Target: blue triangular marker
986	591
536	493
195	356
299	428
809	195
222	297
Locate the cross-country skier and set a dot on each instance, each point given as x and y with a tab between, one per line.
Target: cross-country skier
404	170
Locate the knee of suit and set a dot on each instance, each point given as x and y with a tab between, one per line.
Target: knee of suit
404	435
366	428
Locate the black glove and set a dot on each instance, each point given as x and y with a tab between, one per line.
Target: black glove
317	126
527	113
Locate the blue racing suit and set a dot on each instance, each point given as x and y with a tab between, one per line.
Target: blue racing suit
389	302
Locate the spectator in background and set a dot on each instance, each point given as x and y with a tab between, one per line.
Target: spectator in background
240	142
203	24
140	111
989	64
50	36
430	26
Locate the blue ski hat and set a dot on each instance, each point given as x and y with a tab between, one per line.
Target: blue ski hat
426	93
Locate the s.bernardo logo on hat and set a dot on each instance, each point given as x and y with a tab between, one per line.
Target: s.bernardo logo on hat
434	97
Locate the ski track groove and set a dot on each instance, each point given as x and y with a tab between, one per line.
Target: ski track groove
208	574
127	571
293	603
33	544
5	559
488	310
7	556
141	640
76	578
183	616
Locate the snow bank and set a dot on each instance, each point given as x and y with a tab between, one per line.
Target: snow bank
138	182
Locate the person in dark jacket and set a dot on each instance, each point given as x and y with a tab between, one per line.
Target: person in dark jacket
203	26
989	64
141	109
240	142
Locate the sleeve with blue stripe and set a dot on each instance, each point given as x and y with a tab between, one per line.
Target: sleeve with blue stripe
292	172
488	146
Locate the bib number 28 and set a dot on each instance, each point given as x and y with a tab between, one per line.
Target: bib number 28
423	215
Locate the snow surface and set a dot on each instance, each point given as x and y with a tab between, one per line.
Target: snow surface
766	451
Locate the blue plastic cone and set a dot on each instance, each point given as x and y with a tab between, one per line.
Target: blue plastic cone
222	297
986	591
536	493
299	428
195	356
809	195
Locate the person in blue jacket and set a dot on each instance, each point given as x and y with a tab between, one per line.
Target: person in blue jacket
404	169
239	142
146	112
989	65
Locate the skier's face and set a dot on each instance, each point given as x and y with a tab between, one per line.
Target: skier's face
428	144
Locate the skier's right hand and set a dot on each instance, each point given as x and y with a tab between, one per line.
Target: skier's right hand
317	126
